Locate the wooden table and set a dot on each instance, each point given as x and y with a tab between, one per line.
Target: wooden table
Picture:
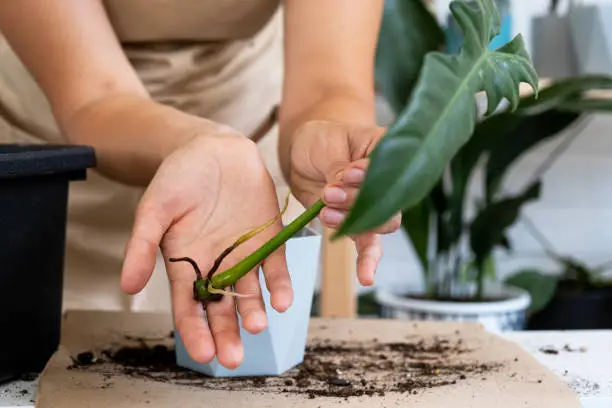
583	359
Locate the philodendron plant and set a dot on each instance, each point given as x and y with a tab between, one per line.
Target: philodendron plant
455	251
438	119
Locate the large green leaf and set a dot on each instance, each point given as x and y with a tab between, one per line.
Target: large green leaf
408	32
489	227
541	287
411	157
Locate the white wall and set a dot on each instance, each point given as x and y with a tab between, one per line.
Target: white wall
575	211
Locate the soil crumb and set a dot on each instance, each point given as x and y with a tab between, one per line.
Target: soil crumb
330	369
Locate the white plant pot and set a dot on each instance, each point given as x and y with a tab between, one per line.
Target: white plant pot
553	51
281	346
495	316
592	33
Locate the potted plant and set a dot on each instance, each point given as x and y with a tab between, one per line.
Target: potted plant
575	297
455	249
438	119
34	185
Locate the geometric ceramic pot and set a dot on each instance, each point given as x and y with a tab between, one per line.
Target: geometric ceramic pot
506	314
281	346
591	28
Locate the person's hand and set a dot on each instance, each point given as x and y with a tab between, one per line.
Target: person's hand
328	162
202	198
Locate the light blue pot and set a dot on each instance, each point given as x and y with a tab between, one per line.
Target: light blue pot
281	346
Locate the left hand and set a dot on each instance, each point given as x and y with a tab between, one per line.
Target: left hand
328	162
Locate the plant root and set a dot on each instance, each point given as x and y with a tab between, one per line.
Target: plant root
227	293
245	237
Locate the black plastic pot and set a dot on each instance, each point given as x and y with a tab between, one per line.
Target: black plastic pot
34	181
575	310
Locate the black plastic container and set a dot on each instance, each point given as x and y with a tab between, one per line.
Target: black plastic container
575	310
34	181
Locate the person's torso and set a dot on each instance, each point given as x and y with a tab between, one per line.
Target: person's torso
188	20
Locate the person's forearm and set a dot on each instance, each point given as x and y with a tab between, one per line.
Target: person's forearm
132	135
333	105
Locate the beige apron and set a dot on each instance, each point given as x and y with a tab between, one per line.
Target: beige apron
218	59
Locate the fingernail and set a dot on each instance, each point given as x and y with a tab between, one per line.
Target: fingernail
258	320
354	176
334	195
237	354
332	217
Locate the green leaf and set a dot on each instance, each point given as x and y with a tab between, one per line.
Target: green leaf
541	287
440	207
463	164
411	157
408	32
560	91
527	132
415	223
490	225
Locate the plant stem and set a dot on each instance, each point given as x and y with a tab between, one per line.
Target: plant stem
235	273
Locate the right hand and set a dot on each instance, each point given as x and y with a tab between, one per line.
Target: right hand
203	197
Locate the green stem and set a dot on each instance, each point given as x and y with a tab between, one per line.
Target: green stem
234	274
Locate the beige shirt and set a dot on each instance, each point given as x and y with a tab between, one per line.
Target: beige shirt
218	59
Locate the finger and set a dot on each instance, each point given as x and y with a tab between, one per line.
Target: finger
278	280
251	308
150	224
369	252
223	323
334	217
390	226
190	321
354	174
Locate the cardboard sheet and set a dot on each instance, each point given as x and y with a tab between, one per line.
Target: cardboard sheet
516	381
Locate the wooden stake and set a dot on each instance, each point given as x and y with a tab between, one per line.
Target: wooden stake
338	279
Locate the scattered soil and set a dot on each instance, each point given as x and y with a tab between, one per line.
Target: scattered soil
330	369
567	348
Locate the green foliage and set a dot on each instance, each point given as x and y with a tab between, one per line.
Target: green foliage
424	164
488	228
440	117
408	32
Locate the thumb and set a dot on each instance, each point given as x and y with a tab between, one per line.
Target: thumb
150	225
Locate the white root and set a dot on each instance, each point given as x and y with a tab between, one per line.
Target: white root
227	293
